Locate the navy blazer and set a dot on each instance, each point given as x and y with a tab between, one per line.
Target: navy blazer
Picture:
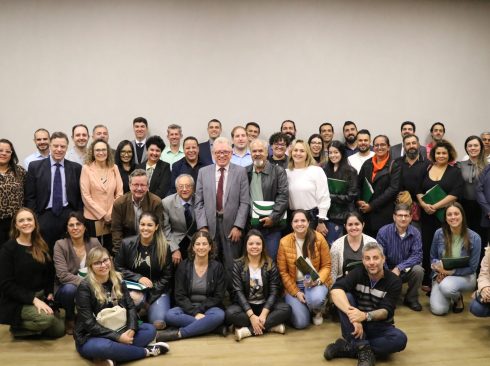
37	189
205	155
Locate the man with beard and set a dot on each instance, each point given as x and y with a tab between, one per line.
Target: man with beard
326	132
413	166
80	136
350	135
241	154
214	131
437	131
364	146
41	139
268	182
289	128
407	128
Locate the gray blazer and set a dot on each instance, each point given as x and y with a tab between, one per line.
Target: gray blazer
174	225
236	199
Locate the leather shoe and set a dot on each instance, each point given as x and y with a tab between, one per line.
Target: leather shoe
458	306
168	335
413	305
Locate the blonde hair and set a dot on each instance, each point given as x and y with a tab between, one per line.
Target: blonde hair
309	157
96	254
90	158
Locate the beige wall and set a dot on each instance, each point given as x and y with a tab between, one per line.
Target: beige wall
375	62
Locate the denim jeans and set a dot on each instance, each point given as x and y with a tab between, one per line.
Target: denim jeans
448	291
190	326
65	296
103	348
272	238
383	337
479	309
159	308
315	302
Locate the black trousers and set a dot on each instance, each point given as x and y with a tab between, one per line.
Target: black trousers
5	230
280	313
53	227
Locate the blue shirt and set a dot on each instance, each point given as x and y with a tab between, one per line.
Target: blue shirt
400	252
244	160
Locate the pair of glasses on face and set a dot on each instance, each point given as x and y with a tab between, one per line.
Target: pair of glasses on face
101	263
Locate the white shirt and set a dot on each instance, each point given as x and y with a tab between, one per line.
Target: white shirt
357	160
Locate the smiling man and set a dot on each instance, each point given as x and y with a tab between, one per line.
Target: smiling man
189	164
241	154
366	300
52	189
41	139
174	151
79	136
350	136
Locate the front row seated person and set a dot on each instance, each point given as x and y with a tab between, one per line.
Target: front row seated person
26	281
303	295
453	240
70	263
146	260
257	305
119	340
480	305
366	299
402	246
199	292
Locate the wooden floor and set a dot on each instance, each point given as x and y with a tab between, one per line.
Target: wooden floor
456	339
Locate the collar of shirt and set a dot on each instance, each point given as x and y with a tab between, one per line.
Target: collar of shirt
218	168
53	162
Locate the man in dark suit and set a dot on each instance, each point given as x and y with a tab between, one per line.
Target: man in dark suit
214	131
407	128
179	223
140	128
128	208
52	189
222	203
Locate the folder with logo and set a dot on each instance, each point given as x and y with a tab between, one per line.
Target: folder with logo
261	209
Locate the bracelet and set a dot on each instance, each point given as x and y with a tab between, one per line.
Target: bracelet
251	315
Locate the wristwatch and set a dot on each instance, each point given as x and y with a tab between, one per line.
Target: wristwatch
321	221
369	317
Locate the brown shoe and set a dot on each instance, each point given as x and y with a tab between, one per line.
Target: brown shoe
69	326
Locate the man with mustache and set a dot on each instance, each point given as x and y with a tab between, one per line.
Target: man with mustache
365	150
350	135
407	128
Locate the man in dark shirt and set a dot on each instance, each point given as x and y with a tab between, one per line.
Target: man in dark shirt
189	164
366	300
279	143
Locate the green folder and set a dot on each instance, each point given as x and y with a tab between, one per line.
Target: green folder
135	286
434	195
305	267
453	263
337	186
367	191
261	209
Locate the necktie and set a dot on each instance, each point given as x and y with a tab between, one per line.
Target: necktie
140	144
57	192
219	191
188	214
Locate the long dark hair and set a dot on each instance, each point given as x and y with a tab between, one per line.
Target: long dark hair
201	234
264	257
39	248
79	217
117	155
161	243
14	160
343	163
481	160
310	237
448	234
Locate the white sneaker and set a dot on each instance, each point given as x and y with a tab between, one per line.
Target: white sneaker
241	333
281	329
318	318
157	349
107	362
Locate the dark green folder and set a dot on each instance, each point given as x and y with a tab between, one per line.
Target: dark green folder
337	186
367	191
453	263
306	268
434	195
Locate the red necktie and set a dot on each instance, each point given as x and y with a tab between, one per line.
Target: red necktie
219	192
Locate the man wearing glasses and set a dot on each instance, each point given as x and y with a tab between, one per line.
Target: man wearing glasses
222	203
279	143
128	208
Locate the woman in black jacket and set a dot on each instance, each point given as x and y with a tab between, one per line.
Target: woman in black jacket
103	288
199	291
257	307
147	260
381	174
342	185
157	170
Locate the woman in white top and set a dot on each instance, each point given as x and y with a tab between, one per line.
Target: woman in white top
308	186
348	248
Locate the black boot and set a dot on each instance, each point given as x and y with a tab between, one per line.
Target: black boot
168	335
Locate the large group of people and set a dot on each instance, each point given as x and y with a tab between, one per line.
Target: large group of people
151	241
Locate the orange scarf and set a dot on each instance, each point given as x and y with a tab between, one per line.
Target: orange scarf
378	166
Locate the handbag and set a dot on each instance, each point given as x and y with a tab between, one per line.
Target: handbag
114	318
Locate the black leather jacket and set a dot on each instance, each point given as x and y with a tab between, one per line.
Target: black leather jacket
215	287
160	277
88	307
241	284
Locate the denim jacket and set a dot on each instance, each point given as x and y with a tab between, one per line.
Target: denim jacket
437	252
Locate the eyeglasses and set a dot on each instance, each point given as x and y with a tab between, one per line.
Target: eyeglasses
379	146
126	152
8	152
222	153
104	262
279	145
135	185
184	186
402	216
75	224
100	150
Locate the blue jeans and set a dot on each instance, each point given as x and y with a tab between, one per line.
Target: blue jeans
190	326
103	348
335	231
66	297
383	337
159	308
448	291
272	238
315	302
479	309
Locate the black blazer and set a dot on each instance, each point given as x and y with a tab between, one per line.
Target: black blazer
215	287
160	277
88	307
160	180
396	151
205	153
241	285
37	189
